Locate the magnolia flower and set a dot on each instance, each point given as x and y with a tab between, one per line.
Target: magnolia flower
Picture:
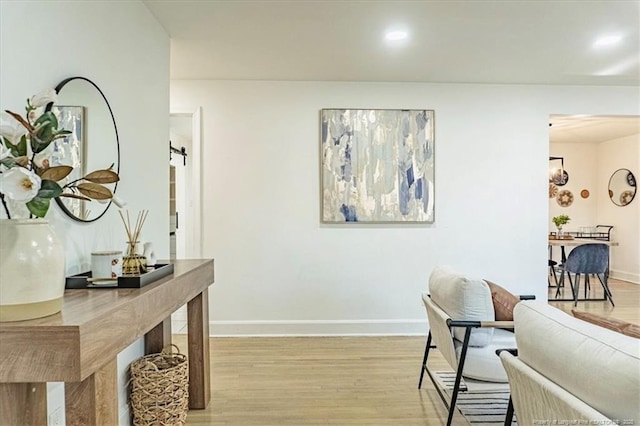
43	98
13	131
19	184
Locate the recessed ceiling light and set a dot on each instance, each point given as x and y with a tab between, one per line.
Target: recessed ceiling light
396	35
607	40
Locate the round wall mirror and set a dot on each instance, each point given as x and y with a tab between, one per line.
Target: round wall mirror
83	109
622	187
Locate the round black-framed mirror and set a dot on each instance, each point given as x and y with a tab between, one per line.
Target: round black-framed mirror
622	187
94	144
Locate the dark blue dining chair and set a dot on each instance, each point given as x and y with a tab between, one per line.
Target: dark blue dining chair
584	260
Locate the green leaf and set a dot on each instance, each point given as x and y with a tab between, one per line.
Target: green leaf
38	144
8	162
46	127
22	146
49	189
39	206
18	150
47	116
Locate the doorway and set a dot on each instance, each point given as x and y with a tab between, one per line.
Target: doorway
185	185
185	195
589	149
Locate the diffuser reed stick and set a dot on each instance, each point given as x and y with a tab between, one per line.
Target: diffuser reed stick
132	263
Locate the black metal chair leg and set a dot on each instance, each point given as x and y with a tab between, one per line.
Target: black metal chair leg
576	290
607	290
509	417
555	277
424	360
587	287
560	284
456	386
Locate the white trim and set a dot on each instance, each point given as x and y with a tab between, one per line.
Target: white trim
625	276
400	327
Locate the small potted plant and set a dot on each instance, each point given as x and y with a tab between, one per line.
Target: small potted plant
559	221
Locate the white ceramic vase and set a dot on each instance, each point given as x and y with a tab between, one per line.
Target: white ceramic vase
32	270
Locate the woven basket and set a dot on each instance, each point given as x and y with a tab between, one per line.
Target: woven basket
160	388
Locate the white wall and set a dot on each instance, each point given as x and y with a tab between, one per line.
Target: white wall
622	153
581	164
279	271
122	48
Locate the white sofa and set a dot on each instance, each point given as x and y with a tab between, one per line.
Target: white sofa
569	371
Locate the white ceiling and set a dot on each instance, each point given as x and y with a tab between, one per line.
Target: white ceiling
475	41
591	129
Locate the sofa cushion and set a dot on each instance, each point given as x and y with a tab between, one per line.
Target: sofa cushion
598	366
463	298
614	324
483	363
503	301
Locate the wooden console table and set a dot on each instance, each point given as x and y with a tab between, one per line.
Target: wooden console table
79	346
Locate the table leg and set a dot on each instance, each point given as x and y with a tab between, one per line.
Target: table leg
158	337
198	338
23	404
94	401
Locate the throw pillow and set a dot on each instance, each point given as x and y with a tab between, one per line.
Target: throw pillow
503	302
614	324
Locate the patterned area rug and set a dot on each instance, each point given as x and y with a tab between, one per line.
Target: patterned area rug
482	403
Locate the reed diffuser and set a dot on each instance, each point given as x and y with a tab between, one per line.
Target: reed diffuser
133	263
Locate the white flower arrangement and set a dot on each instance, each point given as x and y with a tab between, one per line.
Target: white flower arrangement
27	177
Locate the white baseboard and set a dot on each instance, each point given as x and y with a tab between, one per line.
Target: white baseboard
402	327
625	276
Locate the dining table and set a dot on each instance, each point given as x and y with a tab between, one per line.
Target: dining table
574	242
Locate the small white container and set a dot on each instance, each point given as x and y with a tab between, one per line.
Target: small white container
106	264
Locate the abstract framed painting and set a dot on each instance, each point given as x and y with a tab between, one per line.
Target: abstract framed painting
377	166
70	150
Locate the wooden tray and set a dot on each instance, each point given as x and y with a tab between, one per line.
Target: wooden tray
137	281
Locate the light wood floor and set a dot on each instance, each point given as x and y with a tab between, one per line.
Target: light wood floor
340	380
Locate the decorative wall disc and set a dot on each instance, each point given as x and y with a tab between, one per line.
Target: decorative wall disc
564	198
584	193
559	177
553	190
626	197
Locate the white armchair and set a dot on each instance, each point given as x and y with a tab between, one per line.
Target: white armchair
462	325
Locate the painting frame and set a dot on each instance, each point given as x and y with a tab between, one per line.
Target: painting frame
377	166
